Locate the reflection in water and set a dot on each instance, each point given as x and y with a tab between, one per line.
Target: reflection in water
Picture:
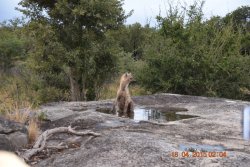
246	123
153	114
145	114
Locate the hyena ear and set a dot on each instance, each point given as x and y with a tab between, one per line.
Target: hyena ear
126	74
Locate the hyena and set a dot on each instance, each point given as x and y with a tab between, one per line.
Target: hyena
123	103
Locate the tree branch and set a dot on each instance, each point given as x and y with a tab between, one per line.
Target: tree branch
41	141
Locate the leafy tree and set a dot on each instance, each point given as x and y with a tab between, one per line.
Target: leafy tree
132	40
241	20
11	47
195	57
70	35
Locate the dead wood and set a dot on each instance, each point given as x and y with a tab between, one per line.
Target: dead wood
40	143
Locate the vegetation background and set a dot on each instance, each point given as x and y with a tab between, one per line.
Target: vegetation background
76	50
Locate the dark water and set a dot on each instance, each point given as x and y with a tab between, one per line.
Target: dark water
158	115
147	114
246	123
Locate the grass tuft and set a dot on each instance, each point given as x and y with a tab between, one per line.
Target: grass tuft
15	113
109	90
33	130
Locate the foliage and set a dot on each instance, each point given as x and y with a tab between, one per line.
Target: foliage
11	48
195	57
77	50
77	29
133	38
240	18
42	116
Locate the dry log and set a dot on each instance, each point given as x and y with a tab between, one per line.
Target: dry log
41	141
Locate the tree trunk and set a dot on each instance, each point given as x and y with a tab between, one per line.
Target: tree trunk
75	89
83	92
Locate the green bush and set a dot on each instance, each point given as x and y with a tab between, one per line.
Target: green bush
51	94
195	57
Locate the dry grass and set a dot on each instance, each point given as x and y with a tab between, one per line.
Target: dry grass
11	106
136	90
109	90
33	130
18	111
22	116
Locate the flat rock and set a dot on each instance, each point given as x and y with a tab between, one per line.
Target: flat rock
125	142
13	135
7	126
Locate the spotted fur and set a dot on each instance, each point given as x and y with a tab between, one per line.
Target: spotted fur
124	105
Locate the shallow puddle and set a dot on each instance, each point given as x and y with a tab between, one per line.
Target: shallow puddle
246	123
150	114
158	115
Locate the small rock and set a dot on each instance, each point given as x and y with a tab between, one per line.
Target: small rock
13	135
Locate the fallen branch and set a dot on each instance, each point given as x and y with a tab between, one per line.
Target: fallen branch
41	141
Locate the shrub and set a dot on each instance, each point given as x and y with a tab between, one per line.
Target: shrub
195	57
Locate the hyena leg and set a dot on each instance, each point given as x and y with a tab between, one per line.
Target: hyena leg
131	106
131	109
115	107
125	110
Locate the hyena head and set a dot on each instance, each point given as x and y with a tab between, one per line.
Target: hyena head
126	78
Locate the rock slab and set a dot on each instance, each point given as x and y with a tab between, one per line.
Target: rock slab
13	135
124	142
